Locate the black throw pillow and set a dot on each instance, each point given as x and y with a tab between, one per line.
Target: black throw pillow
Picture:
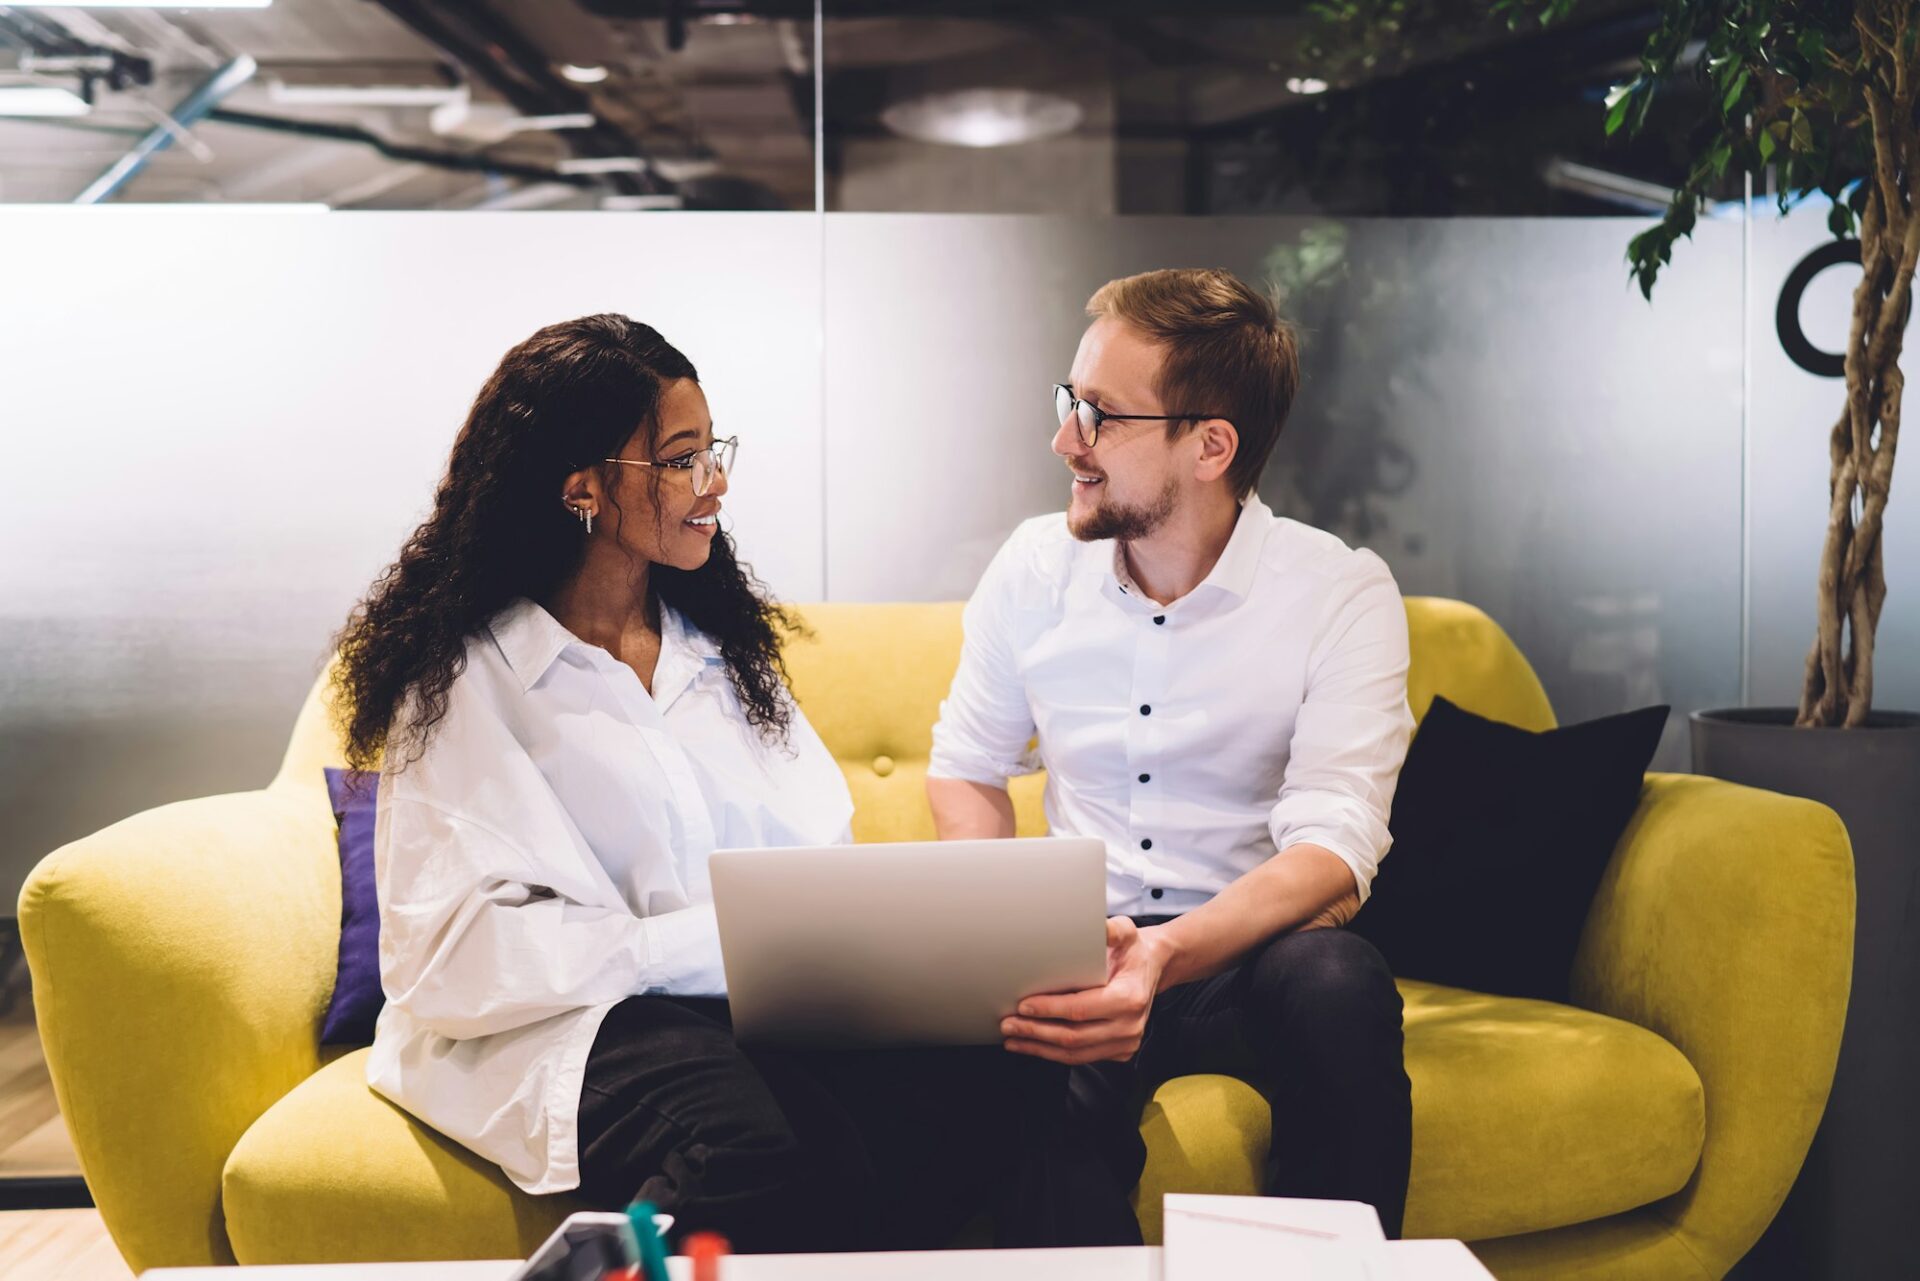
1500	837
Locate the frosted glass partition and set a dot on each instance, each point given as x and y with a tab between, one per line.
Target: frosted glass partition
220	426
1487	404
1793	412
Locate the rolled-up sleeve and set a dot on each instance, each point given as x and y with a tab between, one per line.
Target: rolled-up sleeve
476	938
1351	732
986	722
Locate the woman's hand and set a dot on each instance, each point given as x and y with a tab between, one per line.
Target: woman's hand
1099	1023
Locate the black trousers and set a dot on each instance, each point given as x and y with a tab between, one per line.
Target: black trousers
1312	1021
814	1150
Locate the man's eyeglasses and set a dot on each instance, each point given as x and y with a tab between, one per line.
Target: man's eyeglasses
707	465
1088	419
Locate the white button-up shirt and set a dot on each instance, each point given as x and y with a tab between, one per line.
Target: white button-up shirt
546	858
1265	708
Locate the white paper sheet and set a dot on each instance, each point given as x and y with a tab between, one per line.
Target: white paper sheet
1228	1238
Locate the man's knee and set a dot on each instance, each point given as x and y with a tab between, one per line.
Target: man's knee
1324	983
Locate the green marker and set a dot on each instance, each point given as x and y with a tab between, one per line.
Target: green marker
653	1251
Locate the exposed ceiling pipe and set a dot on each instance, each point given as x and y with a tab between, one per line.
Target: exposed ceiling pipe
192	108
31	32
520	72
465	162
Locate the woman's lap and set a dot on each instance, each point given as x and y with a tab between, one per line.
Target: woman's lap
801	1149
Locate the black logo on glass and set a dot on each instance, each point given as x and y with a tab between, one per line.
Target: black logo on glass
1786	318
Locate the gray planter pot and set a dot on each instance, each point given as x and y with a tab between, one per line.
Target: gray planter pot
1851	1212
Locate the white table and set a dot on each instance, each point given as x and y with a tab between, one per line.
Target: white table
1118	1263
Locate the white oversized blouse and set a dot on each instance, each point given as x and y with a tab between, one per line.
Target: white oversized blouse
546	858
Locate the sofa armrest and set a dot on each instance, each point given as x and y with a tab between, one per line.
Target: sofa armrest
182	960
1725	924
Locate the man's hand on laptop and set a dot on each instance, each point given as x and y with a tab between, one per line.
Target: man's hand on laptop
1099	1023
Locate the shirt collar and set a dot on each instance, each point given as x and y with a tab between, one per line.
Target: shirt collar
686	655
1233	573
677	633
530	639
1240	560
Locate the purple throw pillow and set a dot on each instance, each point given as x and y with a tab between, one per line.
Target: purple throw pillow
357	997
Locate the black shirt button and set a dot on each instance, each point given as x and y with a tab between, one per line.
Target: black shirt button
1146	709
1147	844
1159	619
1158	893
1146	778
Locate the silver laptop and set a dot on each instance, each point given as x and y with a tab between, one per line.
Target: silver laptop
916	943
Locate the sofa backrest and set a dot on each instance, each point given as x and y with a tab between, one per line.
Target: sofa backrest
871	678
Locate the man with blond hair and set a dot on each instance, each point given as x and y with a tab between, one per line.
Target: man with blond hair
1219	695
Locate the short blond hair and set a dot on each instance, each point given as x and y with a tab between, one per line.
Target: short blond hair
1228	353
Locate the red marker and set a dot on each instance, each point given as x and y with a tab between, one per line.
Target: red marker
706	1249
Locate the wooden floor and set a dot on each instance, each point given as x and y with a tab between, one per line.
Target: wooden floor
55	1245
40	1245
33	1140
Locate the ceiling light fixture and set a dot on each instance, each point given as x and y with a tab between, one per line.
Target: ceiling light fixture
550	124
1616	188
1305	84
40	100
584	75
641	203
601	164
369	95
686	168
983	117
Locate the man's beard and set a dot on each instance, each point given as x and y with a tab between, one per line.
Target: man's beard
1125	524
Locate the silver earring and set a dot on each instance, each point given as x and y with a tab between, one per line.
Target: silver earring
589	520
583	514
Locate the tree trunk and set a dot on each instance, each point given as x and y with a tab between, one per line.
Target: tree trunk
1838	689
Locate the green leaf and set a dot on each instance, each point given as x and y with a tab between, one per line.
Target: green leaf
1839	220
1619	98
1802	131
1642	109
1716	159
1733	94
1766	145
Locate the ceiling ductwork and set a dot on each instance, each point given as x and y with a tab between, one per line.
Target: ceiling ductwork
1061	106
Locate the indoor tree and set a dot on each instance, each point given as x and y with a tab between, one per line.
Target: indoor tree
1825	92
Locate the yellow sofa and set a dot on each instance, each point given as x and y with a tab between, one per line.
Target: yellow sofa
182	958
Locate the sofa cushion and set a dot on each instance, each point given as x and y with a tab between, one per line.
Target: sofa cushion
357	997
1500	837
1526	1115
333	1173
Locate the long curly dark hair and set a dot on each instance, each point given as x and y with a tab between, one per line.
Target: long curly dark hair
572	394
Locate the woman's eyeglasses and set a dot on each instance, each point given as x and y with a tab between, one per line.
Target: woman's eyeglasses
707	465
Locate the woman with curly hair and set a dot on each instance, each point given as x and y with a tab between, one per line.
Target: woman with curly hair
577	692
